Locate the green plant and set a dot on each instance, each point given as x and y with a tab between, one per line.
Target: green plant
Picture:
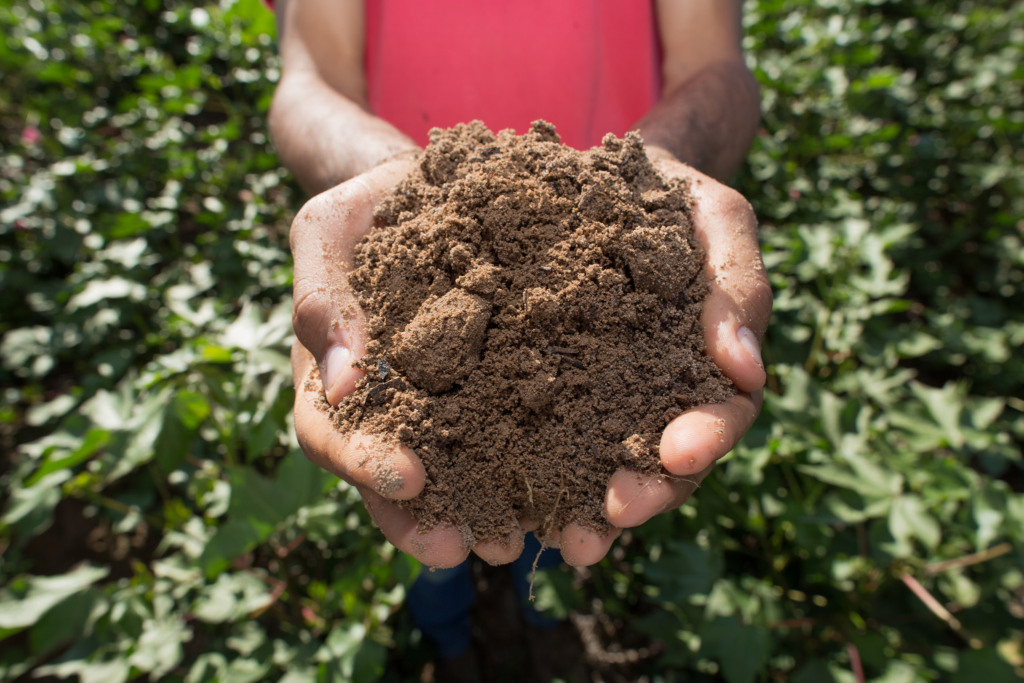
159	520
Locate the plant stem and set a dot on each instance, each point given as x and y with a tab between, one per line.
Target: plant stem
968	560
939	610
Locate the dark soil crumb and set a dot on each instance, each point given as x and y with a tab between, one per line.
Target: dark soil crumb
534	316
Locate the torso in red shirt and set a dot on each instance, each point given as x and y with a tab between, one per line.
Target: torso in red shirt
588	66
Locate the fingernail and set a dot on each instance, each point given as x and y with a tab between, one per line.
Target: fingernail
748	340
337	359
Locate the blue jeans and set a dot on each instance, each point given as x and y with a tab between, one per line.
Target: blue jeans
441	599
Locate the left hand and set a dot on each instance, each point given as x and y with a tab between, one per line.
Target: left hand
735	317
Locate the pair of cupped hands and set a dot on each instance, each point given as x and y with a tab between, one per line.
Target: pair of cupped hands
331	334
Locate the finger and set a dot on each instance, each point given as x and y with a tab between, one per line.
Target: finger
326	314
441	547
736	310
632	499
582	547
391	470
501	552
327	447
693	441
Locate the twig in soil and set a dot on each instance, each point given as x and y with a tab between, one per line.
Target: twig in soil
547	521
561	490
533	569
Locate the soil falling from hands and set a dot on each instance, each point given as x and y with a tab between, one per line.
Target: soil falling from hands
534	324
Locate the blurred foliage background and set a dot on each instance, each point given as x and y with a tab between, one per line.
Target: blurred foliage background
159	521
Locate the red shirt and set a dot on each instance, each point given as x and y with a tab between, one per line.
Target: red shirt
587	66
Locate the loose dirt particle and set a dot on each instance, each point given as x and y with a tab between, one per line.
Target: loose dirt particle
534	321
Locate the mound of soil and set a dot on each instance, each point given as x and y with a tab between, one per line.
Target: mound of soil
534	316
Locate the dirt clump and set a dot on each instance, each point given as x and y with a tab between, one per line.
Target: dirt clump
534	323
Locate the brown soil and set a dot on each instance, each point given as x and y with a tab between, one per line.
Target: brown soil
534	316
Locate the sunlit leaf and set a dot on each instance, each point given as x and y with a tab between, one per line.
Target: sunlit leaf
40	594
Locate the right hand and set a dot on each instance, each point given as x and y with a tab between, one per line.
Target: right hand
331	332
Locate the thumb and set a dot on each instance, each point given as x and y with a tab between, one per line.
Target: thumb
738	307
326	315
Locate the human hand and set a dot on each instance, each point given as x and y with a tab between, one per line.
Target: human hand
735	316
331	332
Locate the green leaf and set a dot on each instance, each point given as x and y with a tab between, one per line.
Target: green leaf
983	665
554	593
243	333
58	627
231	597
159	649
94	440
30	508
984	412
44	412
815	671
945	405
898	671
368	665
191	408
25	607
908	520
105	290
232	539
683	570
260	505
108	671
742	650
862	475
182	420
265	435
216	354
146	414
247	639
341	647
988	517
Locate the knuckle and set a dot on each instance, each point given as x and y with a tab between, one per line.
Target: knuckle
309	309
761	290
310	217
761	299
739	210
320	213
302	226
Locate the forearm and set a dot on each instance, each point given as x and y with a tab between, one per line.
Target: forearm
325	138
707	121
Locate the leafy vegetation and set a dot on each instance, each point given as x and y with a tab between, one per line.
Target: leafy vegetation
159	520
